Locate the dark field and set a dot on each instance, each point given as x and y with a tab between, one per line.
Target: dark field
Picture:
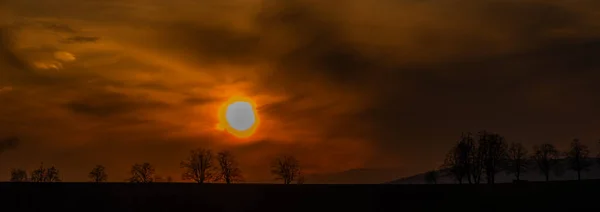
259	197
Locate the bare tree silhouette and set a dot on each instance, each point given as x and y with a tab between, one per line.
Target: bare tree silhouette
142	173
517	160
495	148
477	158
98	174
546	158
431	177
286	168
453	167
229	170
578	157
469	160
199	166
43	174
457	162
18	175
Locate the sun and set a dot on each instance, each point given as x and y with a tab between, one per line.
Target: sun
238	116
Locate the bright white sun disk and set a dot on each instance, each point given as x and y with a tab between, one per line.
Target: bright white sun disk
240	116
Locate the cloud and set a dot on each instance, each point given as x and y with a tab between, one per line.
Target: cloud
64	56
107	104
6	89
9	58
199	100
48	65
58	27
81	39
8	143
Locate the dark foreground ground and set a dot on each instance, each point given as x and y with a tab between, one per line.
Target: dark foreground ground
173	197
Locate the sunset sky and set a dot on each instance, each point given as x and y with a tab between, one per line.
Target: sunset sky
339	84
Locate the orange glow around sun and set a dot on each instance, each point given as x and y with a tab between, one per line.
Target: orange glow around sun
224	125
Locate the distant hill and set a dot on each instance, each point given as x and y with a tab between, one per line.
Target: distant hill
357	176
533	174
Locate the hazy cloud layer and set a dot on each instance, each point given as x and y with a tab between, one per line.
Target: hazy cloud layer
341	84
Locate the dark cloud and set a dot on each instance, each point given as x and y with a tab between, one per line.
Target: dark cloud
316	44
7	54
57	27
211	44
8	143
81	39
153	86
200	100
277	107
303	42
319	43
108	104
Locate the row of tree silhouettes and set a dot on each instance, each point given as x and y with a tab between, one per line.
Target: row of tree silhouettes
476	158
201	166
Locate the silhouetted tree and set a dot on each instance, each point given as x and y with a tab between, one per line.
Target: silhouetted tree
453	167
578	157
458	160
229	170
18	175
142	173
43	174
494	147
517	160
431	176
199	166
286	168
98	174
477	158
546	158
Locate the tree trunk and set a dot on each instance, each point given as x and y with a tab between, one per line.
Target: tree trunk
578	175
547	177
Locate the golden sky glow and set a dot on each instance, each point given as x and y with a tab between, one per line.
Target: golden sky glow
339	84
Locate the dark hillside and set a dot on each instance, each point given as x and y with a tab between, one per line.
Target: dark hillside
259	197
532	174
